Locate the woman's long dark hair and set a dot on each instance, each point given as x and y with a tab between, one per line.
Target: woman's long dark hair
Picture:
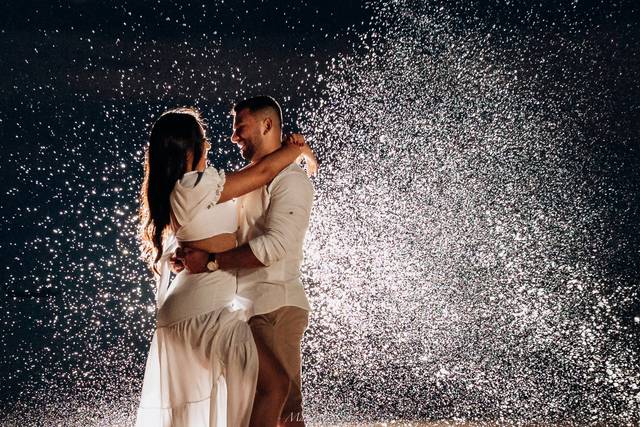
174	135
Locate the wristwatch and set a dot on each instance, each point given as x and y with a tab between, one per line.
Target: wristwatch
212	265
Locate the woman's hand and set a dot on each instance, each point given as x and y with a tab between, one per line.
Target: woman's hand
295	139
306	152
176	264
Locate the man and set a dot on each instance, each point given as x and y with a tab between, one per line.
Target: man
273	221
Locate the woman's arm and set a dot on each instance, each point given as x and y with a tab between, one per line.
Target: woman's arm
262	172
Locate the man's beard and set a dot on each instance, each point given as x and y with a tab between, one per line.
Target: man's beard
247	152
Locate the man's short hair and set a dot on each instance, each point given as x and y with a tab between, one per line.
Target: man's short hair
259	103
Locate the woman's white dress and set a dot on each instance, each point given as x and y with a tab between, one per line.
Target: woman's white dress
202	366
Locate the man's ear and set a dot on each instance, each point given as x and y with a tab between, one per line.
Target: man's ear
268	124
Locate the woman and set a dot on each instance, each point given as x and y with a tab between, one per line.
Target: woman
202	365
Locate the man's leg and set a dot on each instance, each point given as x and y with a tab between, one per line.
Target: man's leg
288	326
272	386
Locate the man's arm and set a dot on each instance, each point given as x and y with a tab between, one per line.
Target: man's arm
195	260
240	257
285	226
287	219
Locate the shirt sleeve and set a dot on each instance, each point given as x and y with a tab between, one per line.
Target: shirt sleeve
287	219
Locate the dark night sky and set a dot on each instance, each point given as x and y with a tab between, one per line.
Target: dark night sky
81	81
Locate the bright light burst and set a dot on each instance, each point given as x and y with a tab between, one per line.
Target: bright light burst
458	259
452	256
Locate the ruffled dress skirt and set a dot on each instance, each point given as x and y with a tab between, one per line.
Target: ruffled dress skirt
202	366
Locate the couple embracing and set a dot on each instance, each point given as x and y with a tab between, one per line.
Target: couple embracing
226	351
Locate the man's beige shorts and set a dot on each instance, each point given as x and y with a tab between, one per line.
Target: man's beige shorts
282	331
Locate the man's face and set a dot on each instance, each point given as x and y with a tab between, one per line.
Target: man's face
246	133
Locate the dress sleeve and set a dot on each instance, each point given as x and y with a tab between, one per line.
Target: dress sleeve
213	184
194	193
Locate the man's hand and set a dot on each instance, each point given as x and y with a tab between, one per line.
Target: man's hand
194	260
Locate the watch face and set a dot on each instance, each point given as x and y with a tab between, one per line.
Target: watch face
211	266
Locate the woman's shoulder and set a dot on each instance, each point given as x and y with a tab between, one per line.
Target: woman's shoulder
193	179
195	190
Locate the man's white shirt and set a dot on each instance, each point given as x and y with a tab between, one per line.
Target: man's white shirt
274	219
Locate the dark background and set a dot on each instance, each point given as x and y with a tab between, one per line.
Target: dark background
81	82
